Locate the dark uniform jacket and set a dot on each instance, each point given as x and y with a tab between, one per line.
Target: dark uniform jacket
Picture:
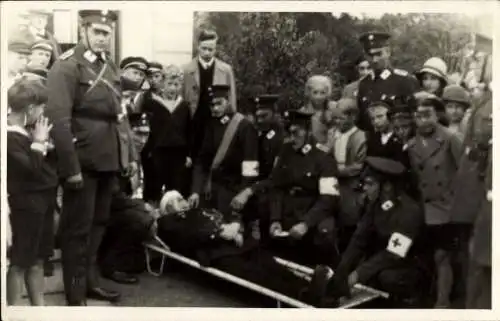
387	236
84	110
239	169
304	186
392	149
391	82
270	144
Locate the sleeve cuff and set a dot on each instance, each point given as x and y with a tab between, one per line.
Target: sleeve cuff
39	147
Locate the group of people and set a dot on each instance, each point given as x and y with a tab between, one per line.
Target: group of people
367	189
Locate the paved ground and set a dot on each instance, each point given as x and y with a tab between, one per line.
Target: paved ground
180	286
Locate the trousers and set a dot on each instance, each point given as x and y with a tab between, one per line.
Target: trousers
84	216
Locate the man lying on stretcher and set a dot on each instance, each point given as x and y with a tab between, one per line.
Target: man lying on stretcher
201	234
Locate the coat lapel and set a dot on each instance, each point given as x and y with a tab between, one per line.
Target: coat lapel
431	147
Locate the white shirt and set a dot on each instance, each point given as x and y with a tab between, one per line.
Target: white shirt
384	138
205	64
341	140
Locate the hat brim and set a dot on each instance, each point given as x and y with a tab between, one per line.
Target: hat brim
101	26
431	71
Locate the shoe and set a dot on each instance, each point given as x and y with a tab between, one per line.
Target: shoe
318	284
121	277
101	294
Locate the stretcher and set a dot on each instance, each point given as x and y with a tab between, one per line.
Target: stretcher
360	293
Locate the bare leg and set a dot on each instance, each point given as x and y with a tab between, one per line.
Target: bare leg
14	285
444	278
35	283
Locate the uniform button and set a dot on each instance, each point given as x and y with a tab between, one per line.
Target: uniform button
421	167
436	167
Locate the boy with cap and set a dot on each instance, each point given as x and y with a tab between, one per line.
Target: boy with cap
85	107
349	149
41	54
385	248
384	80
434	155
304	196
382	142
228	160
271	135
17	59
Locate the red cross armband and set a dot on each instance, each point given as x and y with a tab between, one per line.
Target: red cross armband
329	186
399	244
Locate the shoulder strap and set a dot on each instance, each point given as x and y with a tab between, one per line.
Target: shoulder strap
226	140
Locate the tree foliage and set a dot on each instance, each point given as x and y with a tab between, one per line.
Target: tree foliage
276	52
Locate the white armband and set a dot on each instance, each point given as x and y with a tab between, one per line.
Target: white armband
399	244
250	168
329	186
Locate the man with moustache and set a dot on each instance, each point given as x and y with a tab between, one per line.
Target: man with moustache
84	106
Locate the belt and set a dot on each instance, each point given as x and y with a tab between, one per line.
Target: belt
110	118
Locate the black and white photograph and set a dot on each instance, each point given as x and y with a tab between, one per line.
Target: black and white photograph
328	155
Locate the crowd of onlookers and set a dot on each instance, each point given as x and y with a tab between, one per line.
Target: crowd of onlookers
170	111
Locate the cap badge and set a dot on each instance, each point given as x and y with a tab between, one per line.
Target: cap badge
224	120
385	74
387	205
306	149
270	134
383	97
370	37
257	100
103	19
308	174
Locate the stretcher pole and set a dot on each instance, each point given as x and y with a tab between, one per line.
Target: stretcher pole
308	271
280	298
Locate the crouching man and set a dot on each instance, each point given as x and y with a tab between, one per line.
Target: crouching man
228	159
387	237
304	197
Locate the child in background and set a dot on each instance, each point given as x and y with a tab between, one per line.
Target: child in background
457	101
31	188
318	91
170	141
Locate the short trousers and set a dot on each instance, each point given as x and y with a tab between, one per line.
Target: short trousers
32	221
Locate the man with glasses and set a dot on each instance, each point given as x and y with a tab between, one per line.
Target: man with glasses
384	81
364	69
84	106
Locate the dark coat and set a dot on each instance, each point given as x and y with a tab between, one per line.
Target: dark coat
85	132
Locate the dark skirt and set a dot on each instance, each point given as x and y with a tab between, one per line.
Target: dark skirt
32	222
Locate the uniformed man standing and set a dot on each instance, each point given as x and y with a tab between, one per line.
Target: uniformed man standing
271	137
228	159
304	197
384	80
84	106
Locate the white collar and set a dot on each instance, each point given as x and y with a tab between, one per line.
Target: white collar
17	129
349	132
205	64
385	137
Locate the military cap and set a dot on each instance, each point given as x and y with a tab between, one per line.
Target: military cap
402	107
298	117
100	17
37	72
19	47
154	66
359	59
265	101
43	45
374	40
383	167
219	91
207	34
134	62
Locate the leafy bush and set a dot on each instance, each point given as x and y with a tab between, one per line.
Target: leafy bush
276	52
